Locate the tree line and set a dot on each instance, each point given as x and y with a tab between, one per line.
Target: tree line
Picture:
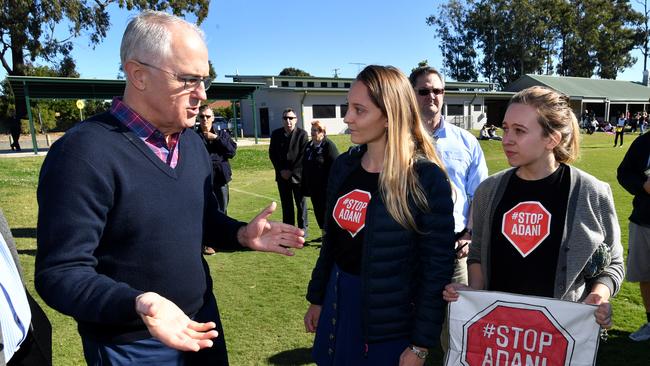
502	40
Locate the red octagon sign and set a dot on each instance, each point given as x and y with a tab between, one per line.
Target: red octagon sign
350	211
515	334
526	226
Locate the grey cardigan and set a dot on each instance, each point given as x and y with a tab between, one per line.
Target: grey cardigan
590	221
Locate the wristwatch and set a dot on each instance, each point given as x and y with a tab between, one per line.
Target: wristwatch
422	354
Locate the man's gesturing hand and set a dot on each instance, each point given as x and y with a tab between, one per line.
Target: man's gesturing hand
169	324
269	236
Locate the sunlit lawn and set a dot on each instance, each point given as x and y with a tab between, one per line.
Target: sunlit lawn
261	296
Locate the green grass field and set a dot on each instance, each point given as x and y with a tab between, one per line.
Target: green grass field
261	296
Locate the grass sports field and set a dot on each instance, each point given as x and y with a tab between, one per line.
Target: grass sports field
261	296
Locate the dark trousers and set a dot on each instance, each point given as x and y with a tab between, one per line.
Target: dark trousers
223	196
290	192
15	136
151	351
616	138
318	202
36	349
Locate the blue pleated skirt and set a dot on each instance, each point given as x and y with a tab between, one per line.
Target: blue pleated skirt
339	338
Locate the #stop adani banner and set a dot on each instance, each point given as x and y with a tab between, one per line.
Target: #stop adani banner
501	329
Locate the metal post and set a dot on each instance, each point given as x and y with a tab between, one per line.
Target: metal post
32	130
234	116
254	118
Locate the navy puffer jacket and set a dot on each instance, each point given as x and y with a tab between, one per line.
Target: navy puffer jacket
403	273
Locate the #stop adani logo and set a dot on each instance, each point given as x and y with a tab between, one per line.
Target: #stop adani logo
350	211
516	334
526	226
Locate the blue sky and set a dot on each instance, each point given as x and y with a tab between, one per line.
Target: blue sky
263	37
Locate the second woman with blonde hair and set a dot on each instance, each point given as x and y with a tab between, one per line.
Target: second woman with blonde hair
580	257
376	290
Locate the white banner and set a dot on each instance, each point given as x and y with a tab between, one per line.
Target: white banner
501	329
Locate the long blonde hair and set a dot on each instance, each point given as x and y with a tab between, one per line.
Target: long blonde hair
407	141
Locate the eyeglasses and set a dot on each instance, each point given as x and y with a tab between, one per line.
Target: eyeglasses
205	116
426	91
288	117
190	82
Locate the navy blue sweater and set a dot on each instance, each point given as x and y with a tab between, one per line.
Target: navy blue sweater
115	221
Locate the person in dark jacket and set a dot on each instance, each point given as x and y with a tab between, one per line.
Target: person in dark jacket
286	153
376	289
320	153
14	128
634	176
221	148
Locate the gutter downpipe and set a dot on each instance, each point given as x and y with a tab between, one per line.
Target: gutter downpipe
471	116
302	108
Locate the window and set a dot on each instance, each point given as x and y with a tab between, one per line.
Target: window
285	84
298	84
347	85
344	110
323	84
310	84
455	110
324	110
335	85
477	107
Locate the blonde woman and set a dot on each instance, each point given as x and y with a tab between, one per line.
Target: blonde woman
375	292
581	258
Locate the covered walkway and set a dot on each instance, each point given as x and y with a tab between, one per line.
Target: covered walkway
33	87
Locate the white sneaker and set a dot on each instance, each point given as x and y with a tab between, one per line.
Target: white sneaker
643	334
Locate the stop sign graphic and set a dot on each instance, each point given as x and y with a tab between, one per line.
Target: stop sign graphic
515	334
526	226
350	211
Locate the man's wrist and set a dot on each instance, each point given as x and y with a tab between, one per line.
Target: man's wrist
242	239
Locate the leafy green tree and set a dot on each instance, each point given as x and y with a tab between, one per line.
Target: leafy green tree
456	43
27	27
617	38
225	112
643	34
513	36
212	73
292	71
422	63
517	37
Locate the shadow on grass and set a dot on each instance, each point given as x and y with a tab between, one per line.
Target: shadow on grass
298	356
24	232
302	356
31	252
620	350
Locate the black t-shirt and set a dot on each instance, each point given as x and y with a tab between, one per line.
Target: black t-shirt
347	222
526	234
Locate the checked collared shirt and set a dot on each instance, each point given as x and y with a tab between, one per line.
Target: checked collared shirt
152	137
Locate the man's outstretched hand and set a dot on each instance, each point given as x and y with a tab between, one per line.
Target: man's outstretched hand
269	236
169	324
